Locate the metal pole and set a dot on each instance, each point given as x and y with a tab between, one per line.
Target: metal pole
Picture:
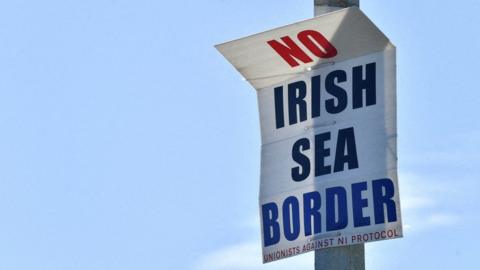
348	257
325	6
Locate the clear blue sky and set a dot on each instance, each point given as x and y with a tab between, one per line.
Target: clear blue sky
128	142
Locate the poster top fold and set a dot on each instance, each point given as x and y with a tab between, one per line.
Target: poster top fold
277	55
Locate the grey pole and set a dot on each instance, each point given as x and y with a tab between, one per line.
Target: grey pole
348	257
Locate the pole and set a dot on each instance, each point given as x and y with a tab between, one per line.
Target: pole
325	6
347	257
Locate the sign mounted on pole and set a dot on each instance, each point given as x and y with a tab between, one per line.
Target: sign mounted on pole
326	91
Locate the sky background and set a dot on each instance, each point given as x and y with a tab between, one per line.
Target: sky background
128	142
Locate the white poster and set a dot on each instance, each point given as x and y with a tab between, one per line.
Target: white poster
326	94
